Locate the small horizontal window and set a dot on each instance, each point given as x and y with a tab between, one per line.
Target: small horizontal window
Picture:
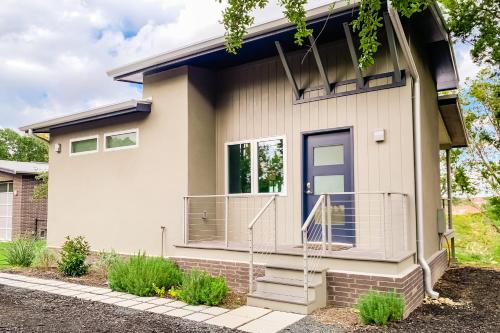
121	140
84	145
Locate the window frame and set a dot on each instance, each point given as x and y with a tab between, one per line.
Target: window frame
96	136
10	186
254	167
130	130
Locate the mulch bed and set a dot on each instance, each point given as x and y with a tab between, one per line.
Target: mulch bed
23	310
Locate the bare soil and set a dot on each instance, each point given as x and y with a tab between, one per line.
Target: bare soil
23	310
469	302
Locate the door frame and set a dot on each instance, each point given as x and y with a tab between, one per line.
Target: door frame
303	164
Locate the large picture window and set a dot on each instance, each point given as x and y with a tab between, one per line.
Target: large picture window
256	166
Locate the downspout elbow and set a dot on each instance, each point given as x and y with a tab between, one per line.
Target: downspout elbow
398	28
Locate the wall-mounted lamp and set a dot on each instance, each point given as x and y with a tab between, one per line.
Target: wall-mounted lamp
57	147
379	135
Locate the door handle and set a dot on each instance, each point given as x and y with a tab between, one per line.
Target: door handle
308	188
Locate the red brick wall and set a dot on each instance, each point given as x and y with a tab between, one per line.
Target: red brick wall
236	273
344	289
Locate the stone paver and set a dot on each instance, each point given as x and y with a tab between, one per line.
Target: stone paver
215	311
271	322
198	316
160	309
127	303
179	313
143	306
246	318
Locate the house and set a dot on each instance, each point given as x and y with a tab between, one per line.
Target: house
20	213
301	178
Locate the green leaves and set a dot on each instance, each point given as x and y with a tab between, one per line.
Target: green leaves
295	12
14	147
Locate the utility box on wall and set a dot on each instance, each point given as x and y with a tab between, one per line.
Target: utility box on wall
441	221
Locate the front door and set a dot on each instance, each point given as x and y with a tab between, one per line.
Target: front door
328	168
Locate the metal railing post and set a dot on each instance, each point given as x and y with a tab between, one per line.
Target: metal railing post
250	265
306	270
186	227
323	224
226	213
275	225
329	220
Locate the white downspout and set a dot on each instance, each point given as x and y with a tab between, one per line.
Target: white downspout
405	47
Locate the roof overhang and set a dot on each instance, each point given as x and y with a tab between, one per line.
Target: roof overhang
104	112
451	113
23	168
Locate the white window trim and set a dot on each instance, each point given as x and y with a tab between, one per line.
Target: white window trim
254	175
81	139
131	130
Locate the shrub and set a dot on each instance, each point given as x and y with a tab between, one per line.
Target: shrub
199	287
45	259
492	209
380	307
22	252
73	255
139	275
105	260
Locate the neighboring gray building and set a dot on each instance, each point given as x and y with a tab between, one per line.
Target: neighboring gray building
20	213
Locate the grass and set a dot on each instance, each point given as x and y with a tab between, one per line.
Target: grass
477	240
3	255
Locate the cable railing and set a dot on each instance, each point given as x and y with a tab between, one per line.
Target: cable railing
373	223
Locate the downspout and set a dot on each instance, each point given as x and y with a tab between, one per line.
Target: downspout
405	47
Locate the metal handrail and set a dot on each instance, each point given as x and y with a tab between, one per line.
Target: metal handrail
321	199
250	239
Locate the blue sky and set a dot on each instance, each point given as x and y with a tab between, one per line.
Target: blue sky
54	54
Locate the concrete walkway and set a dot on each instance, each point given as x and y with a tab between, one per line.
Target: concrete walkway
246	318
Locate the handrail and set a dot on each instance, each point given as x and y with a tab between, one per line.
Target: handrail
231	195
313	212
259	214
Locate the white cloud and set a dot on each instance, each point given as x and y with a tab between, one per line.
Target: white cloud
466	67
54	54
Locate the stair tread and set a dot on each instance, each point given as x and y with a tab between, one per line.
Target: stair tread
292	268
280	298
286	281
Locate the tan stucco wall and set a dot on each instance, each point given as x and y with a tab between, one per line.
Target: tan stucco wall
120	199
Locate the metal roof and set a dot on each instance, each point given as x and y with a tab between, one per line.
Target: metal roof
103	112
15	167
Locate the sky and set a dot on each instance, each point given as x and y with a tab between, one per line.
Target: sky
54	54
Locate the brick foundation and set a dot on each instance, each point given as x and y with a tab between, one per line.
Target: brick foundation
236	273
344	289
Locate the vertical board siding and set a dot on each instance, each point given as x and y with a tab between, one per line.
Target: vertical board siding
256	100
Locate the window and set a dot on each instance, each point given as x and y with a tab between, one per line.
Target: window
83	145
256	166
121	140
6	187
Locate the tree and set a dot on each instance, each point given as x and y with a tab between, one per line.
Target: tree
473	21
477	167
41	190
476	22
16	147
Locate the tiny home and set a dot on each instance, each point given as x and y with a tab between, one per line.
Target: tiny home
20	213
301	178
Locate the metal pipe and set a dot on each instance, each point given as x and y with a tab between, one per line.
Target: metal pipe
450	197
162	238
226	215
398	28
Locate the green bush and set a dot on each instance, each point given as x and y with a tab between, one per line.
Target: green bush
199	287
105	260
73	255
492	209
139	275
22	252
45	259
381	307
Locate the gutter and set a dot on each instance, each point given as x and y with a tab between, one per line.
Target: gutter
417	111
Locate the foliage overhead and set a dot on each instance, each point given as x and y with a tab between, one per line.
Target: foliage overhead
473	21
476	22
22	148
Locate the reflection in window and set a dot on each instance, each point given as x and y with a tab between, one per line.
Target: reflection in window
239	171
121	140
270	166
85	145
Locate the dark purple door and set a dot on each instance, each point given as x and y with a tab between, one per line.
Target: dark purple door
328	168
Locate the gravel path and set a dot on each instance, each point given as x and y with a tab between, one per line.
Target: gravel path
23	310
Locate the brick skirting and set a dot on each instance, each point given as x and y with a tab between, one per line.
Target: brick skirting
236	273
344	289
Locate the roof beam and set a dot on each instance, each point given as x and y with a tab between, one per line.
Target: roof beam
321	68
392	47
354	56
288	72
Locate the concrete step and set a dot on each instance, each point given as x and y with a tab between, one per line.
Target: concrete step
281	302
295	273
286	286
